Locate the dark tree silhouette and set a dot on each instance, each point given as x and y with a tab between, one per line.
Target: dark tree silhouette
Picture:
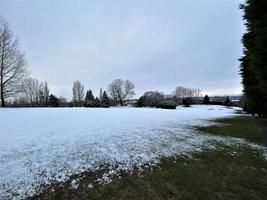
206	100
253	67
53	101
89	96
187	102
97	102
105	100
227	101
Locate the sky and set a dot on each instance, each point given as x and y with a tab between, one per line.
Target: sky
156	44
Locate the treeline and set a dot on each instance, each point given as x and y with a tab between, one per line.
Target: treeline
253	67
119	90
180	96
88	100
224	102
35	93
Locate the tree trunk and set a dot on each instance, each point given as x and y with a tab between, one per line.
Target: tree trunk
1	79
2	99
121	102
2	86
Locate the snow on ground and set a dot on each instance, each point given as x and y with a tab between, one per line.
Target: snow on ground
41	145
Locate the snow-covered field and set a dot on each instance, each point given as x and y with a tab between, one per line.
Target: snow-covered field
40	145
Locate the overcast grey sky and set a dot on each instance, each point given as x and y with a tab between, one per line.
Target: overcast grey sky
157	44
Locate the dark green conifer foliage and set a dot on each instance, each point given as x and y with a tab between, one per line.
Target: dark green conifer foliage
105	100
253	67
53	101
206	99
89	96
227	101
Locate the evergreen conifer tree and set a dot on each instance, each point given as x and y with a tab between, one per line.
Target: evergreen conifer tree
105	100
89	96
97	102
253	67
227	101
53	101
206	100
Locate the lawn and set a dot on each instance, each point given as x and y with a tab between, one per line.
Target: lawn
239	127
225	172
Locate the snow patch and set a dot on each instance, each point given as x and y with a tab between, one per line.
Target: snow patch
41	145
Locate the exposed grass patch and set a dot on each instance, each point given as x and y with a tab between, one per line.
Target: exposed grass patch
228	172
239	127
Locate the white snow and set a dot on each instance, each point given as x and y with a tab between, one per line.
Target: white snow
41	145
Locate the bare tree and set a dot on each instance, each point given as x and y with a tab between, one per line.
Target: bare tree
153	98
100	94
32	89
46	94
12	63
182	93
34	92
120	90
41	94
78	93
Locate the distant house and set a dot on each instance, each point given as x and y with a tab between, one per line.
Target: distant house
130	102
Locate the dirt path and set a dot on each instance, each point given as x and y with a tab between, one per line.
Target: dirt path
262	124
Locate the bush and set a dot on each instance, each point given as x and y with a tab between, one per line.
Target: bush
187	102
157	100
167	104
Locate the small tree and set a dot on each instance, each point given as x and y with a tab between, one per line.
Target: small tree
100	94
31	88
53	101
97	102
206	100
151	99
78	93
227	101
41	94
105	100
141	101
89	96
89	99
46	94
187	102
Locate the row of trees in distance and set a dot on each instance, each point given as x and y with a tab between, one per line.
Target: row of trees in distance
35	93
181	95
119	90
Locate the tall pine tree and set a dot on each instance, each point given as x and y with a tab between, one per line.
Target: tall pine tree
206	99
89	96
253	67
105	100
